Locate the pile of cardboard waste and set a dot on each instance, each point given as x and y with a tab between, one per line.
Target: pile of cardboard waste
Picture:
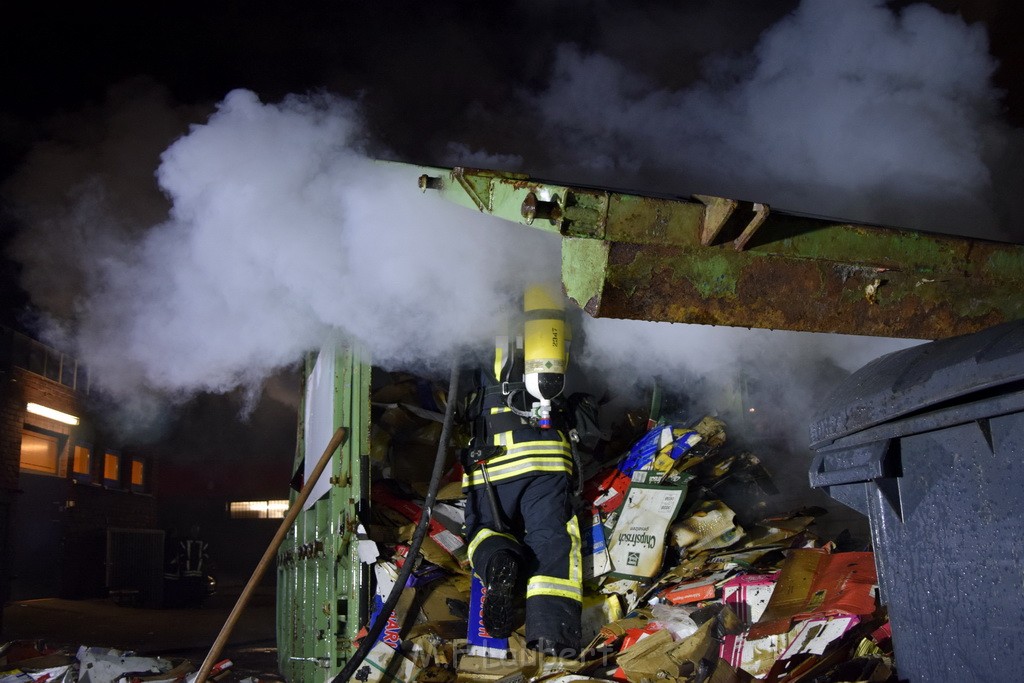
676	589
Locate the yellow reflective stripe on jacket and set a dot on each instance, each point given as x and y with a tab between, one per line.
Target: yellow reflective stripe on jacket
534	448
499	466
482	536
521	467
522	458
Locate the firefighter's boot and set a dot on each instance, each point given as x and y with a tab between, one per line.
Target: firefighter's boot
498	613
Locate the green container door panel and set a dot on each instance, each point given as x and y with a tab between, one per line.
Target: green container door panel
319	573
720	261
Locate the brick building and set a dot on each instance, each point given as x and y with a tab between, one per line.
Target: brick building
64	482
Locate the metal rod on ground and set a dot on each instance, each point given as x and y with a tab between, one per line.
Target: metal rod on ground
375	629
268	556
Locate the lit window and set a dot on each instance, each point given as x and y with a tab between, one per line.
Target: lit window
112	469
81	462
39	453
258	509
138	475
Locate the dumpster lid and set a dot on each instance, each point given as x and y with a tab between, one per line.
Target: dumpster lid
907	381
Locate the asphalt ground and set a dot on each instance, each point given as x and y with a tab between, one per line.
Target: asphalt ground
182	633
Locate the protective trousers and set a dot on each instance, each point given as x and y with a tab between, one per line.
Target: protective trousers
538	510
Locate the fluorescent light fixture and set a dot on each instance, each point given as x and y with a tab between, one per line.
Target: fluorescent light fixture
52	414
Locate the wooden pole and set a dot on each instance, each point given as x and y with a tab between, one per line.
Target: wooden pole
268	556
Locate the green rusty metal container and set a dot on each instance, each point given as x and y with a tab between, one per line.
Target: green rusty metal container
321	596
720	261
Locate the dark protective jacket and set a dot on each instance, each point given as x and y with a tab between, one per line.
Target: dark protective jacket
530	474
523	450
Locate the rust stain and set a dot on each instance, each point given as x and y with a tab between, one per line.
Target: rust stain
622	254
803	296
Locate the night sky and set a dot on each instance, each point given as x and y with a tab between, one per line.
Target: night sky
434	83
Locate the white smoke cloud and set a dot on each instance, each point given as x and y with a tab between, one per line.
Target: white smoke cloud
666	348
726	370
283	233
844	108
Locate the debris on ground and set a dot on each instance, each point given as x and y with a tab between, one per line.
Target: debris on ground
27	662
677	587
24	662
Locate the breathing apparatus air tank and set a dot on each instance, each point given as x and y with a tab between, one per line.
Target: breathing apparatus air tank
544	347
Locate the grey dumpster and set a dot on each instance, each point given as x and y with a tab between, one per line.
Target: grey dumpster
927	443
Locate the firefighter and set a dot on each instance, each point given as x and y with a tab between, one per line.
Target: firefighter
520	525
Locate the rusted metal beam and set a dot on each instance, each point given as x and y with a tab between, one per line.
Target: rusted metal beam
721	261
